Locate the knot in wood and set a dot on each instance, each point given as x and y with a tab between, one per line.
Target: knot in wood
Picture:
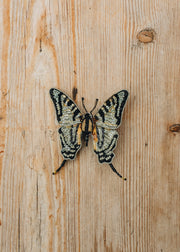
175	128
146	35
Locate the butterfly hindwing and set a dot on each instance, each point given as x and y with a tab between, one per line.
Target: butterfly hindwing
107	120
69	117
70	140
104	143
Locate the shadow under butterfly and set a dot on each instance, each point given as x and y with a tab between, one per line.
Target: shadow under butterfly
76	126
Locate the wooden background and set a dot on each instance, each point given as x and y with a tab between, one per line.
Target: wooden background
92	46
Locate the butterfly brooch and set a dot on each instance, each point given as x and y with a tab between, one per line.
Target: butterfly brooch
75	126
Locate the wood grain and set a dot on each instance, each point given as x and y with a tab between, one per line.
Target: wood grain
91	49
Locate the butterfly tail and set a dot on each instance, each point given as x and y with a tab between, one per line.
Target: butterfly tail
114	170
63	163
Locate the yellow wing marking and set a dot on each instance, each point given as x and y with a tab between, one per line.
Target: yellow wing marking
79	134
94	133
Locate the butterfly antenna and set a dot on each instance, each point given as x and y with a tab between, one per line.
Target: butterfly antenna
114	170
84	105
63	163
96	102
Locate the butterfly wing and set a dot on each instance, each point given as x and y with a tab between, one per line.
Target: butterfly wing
107	120
69	117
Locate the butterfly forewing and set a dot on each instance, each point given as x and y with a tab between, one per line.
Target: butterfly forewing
69	117
67	111
107	120
109	115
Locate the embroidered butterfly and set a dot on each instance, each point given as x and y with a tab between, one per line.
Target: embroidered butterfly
76	126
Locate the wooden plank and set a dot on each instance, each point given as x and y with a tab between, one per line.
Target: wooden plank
91	46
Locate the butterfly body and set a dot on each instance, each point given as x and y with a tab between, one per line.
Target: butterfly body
75	126
87	127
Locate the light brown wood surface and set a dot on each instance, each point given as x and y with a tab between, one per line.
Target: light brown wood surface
92	46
